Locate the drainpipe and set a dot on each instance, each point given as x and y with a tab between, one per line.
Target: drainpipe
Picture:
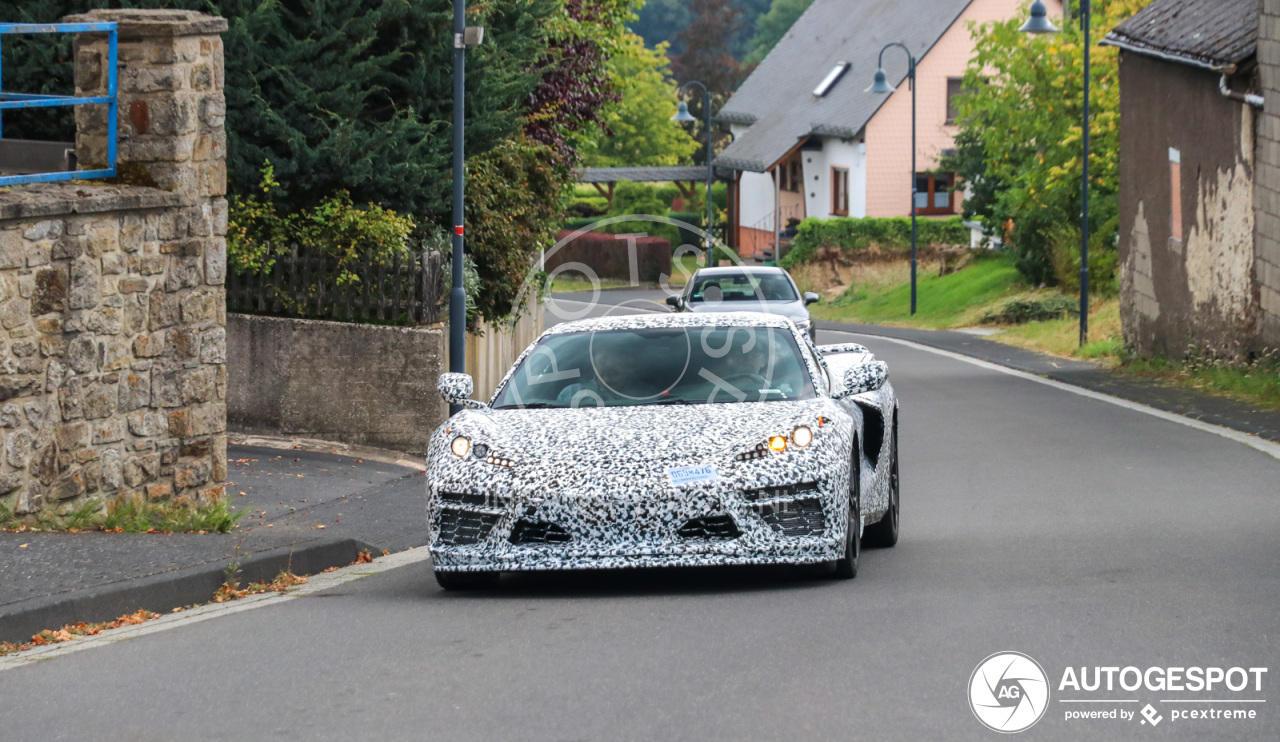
1225	88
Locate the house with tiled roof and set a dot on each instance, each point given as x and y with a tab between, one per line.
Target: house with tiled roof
809	141
1199	179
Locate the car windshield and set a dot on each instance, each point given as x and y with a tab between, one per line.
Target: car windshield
659	366
742	286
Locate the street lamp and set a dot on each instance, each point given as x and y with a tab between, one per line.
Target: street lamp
1039	23
683	116
463	36
880	86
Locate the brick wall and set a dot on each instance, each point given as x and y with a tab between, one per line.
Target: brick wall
1267	188
112	308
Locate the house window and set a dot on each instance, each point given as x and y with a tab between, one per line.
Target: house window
840	191
933	193
955	88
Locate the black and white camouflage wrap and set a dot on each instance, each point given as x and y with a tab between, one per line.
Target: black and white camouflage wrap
592	484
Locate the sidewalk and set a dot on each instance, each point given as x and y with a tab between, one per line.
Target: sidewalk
1222	411
304	510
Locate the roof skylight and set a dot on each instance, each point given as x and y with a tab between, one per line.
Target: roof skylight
831	79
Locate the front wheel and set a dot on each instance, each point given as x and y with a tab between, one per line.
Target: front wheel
466	580
847	566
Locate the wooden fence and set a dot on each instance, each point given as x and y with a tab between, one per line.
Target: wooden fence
402	292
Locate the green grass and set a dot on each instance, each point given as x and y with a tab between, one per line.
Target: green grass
942	301
570	285
1257	383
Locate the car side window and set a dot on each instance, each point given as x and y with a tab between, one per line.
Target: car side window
824	374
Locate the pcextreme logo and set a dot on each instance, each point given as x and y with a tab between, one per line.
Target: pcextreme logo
1009	692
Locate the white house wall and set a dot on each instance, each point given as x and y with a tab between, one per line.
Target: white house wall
817	176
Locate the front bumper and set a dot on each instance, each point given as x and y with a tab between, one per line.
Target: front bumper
803	524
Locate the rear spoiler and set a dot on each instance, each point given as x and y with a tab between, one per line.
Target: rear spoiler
830	350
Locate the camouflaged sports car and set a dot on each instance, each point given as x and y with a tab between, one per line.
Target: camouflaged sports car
666	440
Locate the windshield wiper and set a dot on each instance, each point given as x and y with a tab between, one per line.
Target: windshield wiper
530	406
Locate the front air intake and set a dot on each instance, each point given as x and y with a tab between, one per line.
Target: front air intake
463	527
528	531
795	518
711	527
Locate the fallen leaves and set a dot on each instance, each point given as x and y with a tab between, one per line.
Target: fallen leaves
23	546
75	630
364	558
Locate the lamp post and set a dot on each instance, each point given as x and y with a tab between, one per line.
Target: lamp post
463	36
1039	23
881	86
683	115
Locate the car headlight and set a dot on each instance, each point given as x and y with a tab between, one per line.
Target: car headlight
802	436
460	446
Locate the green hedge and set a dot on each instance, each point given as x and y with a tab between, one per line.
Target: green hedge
857	234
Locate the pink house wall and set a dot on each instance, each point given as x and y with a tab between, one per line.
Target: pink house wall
889	132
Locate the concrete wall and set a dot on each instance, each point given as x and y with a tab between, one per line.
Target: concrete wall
361	384
112	345
1187	256
1267	191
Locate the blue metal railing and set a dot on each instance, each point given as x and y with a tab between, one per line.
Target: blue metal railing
13	101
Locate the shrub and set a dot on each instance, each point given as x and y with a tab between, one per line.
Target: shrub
583	209
1022	311
858	234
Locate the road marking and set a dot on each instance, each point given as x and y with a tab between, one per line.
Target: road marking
313	585
1256	442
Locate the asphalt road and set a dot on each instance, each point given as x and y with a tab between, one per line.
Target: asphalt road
1078	532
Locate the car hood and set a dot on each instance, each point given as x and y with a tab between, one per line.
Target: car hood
634	444
793	310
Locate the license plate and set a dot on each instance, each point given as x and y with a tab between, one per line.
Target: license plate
698	474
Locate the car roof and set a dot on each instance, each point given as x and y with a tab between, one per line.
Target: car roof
680	319
738	269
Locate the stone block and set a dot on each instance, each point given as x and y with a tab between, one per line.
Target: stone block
148	424
117	354
215	261
15	312
71	436
10	482
103	238
197	306
211	495
163	310
213	345
112	474
148	346
196	385
82	354
50	293
50	229
180	423
68	487
132	231
196	447
13	249
86	284
133	284
159	492
99	402
185	342
17	449
39	253
10	415
207	419
189	474
164	389
34	410
69	247
219	457
135	391
110	430
184	273
135	314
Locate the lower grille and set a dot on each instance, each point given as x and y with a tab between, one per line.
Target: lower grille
462	527
469	499
784	490
711	527
538	532
796	518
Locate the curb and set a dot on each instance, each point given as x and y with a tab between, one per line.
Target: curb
381	455
164	592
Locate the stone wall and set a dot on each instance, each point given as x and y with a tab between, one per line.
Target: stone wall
112	308
369	385
1267	191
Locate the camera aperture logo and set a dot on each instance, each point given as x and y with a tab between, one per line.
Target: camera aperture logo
1008	692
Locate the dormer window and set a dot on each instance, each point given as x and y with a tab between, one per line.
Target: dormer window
831	79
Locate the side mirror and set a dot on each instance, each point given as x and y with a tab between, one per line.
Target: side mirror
866	377
810	298
674	302
456	389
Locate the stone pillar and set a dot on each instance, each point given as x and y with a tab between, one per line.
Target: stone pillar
1267	176
170	95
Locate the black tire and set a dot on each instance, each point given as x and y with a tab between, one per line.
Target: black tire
847	566
884	534
466	580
